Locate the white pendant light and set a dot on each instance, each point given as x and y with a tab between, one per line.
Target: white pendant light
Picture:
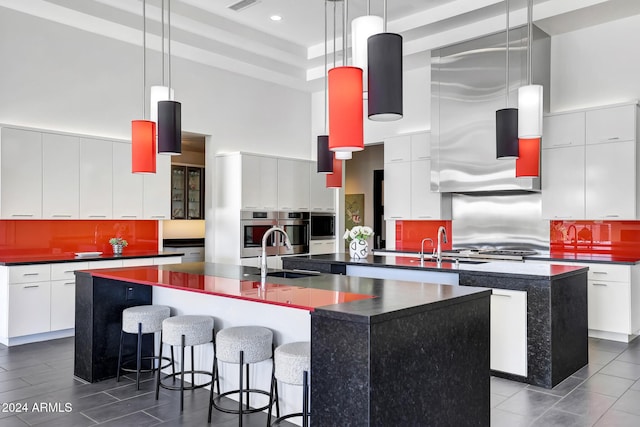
362	28
344	155
158	93
530	97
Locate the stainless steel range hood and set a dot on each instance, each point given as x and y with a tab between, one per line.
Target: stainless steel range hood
467	87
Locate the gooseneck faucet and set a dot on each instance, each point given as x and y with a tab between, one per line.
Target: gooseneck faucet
422	249
442	237
263	260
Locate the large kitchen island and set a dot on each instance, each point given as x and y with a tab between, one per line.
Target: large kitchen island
384	352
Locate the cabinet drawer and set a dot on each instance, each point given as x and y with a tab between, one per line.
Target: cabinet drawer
30	305
29	273
609	306
111	263
608	272
64	271
611	124
564	130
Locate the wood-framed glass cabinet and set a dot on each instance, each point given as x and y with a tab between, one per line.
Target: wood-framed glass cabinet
187	192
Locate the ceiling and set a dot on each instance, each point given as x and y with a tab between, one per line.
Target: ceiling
291	51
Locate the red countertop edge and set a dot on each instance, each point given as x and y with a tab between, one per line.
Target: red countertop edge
70	257
105	274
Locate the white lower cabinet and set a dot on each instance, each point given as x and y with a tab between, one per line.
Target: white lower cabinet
167	260
63	304
609	308
29	308
322	246
509	331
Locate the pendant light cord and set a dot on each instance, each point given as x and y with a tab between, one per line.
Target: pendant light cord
144	59
169	49
326	83
384	16
507	59
529	34
345	24
162	38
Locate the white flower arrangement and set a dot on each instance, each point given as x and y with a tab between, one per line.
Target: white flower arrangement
358	233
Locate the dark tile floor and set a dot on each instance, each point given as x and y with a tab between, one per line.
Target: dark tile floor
604	393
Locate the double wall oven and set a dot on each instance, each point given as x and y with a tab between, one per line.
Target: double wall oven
253	225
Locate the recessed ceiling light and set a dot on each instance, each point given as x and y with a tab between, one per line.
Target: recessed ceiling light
276	18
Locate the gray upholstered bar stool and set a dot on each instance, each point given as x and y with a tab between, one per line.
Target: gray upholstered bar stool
292	363
243	345
186	331
140	320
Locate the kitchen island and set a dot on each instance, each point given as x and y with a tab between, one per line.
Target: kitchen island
554	310
384	352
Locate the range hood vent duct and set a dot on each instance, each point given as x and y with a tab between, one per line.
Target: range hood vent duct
242	4
467	87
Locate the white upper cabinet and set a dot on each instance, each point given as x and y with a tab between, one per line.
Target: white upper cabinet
157	190
397	191
127	186
397	149
293	185
259	182
611	181
563	184
611	124
60	176
96	178
421	146
426	204
564	130
321	198
20	174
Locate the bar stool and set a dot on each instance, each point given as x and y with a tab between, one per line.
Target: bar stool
292	363
243	345
186	331
141	320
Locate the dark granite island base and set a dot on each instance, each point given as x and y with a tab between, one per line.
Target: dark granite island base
427	367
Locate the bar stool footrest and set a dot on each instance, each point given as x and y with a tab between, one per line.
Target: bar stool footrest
249	410
191	387
278	420
143	371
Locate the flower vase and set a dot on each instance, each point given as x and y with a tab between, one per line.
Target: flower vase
358	249
117	249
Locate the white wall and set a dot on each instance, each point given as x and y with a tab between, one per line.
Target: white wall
60	78
596	66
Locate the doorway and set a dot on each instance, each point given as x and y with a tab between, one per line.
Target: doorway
378	209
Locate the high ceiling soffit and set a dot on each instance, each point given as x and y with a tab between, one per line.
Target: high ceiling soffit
291	52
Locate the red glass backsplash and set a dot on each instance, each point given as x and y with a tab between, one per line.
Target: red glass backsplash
34	237
409	234
615	238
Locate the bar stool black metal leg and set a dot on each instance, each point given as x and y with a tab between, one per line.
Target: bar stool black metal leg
277	399
193	368
305	399
270	411
240	391
120	356
159	369
139	356
182	375
173	364
214	369
246	370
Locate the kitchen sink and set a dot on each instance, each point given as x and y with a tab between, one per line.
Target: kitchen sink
285	274
450	260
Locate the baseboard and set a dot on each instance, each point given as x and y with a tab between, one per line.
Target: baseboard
611	336
28	339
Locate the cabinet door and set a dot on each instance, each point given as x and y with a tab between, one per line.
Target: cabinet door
564	130
63	304
397	190
21	174
96	178
127	186
259	182
157	190
609	306
424	203
322	246
397	149
293	185
30	308
611	181
321	198
611	124
60	176
178	192
195	193
421	146
509	331
563	187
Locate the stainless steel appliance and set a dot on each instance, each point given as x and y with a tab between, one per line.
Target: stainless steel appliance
296	225
253	225
322	226
490	254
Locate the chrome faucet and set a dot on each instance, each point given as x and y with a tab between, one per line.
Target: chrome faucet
422	249
265	236
442	237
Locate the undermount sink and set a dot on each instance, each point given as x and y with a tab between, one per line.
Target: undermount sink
451	260
290	274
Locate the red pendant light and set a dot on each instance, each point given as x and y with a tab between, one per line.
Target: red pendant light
345	109
334	179
143	146
528	161
143	132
